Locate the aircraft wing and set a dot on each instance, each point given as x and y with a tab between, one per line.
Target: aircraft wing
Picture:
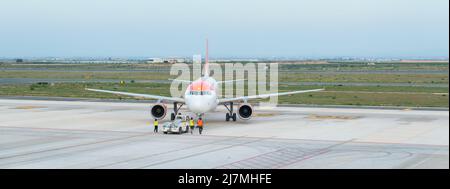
162	98
245	98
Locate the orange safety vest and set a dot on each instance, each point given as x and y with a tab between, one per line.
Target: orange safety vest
200	123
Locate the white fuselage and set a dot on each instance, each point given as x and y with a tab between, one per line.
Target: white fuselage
201	95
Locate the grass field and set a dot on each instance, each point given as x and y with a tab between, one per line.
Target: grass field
333	95
285	77
321	66
366	78
428	95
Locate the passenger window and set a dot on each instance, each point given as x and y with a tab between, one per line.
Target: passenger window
200	92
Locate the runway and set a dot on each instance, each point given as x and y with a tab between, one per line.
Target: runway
108	135
51	80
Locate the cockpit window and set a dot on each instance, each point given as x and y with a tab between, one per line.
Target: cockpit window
200	92
194	92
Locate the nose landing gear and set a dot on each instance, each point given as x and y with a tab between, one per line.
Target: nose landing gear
176	108
230	114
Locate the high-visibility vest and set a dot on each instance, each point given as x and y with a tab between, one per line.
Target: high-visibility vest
191	123
200	123
155	123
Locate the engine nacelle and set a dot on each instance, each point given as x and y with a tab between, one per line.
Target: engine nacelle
245	111
159	111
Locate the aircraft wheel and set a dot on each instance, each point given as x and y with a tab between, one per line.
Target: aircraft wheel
172	116
234	116
227	117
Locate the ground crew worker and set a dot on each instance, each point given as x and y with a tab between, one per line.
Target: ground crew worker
200	125
191	124
155	123
186	121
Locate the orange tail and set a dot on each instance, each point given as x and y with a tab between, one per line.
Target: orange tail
206	67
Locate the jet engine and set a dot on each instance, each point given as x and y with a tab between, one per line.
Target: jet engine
159	111
245	111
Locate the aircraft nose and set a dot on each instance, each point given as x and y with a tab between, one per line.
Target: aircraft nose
198	106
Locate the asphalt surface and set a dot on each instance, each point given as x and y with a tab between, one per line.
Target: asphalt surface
36	80
79	134
167	70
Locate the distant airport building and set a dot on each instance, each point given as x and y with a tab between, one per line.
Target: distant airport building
155	60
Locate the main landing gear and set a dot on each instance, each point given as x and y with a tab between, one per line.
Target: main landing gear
176	108
230	114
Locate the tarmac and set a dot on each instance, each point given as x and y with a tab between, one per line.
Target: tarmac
110	135
51	80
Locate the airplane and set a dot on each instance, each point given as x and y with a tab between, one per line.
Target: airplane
201	97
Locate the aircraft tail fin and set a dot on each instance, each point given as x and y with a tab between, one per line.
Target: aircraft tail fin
206	66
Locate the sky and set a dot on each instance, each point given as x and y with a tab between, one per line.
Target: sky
235	28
